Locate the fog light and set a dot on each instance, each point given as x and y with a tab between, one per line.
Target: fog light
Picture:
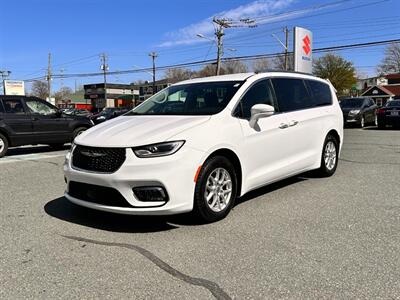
151	193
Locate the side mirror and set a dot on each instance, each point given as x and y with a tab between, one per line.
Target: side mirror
58	113
259	111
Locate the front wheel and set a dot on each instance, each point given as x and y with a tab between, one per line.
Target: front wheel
362	121
3	145
215	190
329	157
78	131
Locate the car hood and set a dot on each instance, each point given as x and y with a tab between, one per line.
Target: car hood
131	131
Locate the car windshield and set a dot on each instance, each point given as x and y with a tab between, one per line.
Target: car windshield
352	103
205	98
393	103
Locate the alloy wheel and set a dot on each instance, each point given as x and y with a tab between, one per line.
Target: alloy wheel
218	191
330	155
362	122
2	144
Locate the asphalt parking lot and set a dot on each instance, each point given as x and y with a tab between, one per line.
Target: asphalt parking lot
302	238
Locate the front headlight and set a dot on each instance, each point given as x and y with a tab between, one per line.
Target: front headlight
354	112
156	150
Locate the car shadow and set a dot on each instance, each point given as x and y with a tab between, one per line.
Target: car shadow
34	150
273	187
65	210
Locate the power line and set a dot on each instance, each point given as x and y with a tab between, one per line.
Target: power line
244	58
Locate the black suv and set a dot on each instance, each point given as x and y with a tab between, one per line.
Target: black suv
30	121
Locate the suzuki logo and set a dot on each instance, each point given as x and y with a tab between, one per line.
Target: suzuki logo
92	154
306	45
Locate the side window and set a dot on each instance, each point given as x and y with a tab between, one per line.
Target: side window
291	94
321	93
39	107
13	106
259	93
1	107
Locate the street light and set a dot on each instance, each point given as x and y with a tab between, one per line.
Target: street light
202	36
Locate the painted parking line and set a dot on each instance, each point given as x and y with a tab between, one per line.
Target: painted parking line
28	157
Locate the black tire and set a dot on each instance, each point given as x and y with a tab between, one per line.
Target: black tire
201	208
57	146
3	145
381	125
324	170
77	132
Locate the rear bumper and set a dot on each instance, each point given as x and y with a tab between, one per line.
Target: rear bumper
175	173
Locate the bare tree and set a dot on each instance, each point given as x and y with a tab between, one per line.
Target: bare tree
391	61
63	94
39	89
339	71
207	70
233	67
178	74
279	62
261	65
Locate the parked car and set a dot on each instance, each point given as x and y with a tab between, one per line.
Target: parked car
389	114
199	144
108	113
31	121
78	112
359	111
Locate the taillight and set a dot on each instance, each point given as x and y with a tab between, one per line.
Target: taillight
380	111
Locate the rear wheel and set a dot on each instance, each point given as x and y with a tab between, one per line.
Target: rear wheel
3	145
381	125
329	157
216	189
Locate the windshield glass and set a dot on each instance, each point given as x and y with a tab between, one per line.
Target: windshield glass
393	103
352	103
205	98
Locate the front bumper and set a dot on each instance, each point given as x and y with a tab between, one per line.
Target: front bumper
351	119
175	173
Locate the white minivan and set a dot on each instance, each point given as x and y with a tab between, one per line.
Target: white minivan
199	144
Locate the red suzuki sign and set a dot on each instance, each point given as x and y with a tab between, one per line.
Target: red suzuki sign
303	50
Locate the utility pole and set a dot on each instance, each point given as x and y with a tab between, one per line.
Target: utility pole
284	45
219	33
221	24
48	77
104	67
153	56
286	31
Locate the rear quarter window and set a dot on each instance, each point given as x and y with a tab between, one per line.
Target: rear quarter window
321	93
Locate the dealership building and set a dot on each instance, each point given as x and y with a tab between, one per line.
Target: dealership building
103	95
381	89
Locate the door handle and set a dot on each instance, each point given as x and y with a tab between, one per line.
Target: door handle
293	123
283	126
